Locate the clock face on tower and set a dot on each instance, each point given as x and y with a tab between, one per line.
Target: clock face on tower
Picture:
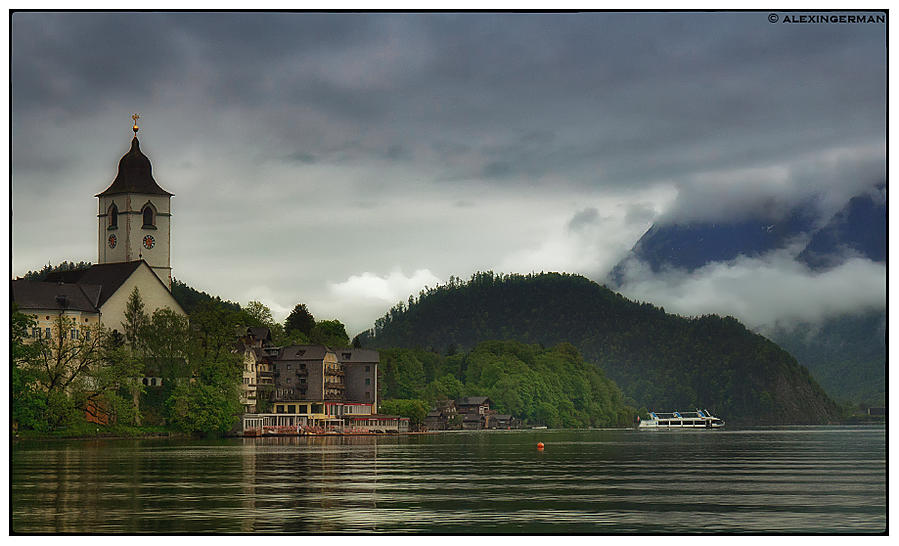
112	241
149	242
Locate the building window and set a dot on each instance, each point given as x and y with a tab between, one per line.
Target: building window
149	217
152	381
74	333
367	381
144	381
48	333
87	335
113	216
368	368
36	333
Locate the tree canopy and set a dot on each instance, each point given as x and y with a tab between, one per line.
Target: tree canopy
553	387
299	319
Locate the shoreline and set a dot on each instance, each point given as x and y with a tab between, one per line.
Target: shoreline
174	435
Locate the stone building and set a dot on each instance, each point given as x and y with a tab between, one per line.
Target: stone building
316	388
317	373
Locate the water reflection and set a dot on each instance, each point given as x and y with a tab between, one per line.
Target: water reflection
782	480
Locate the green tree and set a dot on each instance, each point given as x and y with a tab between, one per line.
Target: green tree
300	319
416	410
331	333
119	371
213	331
133	328
135	320
166	340
202	408
48	269
190	299
28	404
446	387
57	378
210	403
546	414
260	314
282	338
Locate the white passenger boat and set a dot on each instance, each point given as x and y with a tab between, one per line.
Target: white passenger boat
680	419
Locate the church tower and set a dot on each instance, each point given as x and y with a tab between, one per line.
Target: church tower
135	216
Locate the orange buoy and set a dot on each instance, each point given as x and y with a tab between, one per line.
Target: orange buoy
540	446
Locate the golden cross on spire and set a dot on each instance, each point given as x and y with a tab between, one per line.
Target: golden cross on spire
135	117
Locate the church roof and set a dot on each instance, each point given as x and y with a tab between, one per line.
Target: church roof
54	295
108	277
135	175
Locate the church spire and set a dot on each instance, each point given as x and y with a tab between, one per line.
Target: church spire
135	174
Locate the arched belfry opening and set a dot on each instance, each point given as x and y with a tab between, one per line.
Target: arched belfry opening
113	216
149	215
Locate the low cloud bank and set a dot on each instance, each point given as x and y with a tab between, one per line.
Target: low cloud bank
772	289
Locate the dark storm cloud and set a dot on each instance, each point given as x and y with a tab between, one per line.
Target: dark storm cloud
613	98
126	53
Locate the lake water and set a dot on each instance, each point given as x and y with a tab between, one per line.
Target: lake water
782	480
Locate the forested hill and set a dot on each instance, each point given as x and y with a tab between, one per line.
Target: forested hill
663	362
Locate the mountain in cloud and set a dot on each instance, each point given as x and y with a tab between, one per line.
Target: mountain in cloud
854	341
693	245
859	229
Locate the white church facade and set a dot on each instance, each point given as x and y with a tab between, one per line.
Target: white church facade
134	251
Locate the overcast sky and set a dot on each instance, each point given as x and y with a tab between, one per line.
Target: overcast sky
348	160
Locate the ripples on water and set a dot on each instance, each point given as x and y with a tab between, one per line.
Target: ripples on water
793	480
